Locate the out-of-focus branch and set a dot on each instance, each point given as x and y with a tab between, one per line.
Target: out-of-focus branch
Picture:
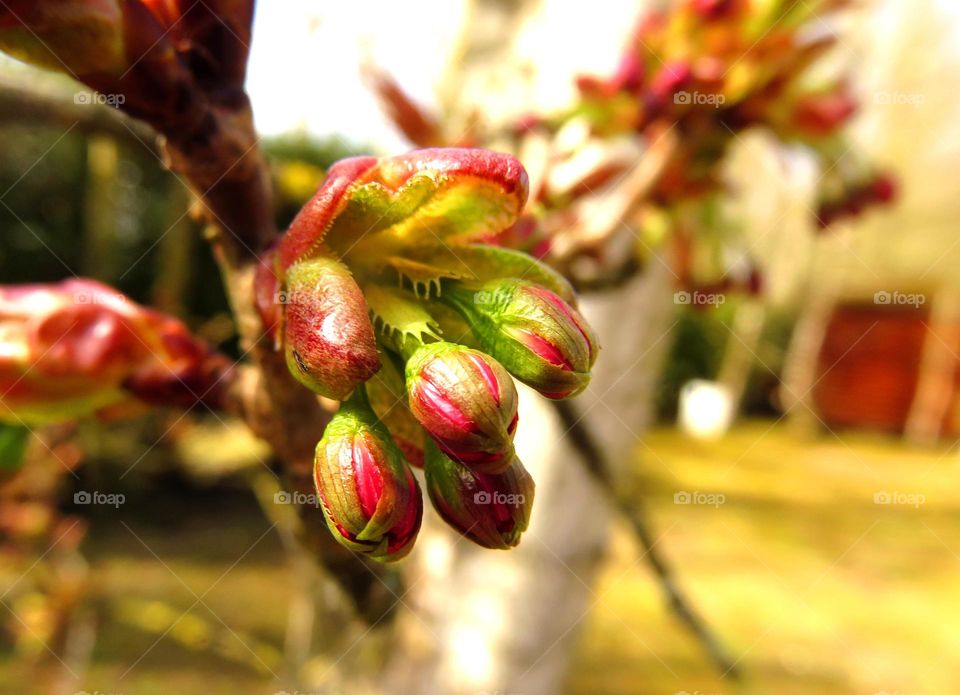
20	105
593	458
599	216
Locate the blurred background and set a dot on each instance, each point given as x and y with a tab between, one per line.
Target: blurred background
777	394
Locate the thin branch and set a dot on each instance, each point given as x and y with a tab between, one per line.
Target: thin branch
592	456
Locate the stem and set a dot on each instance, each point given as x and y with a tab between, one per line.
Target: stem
229	174
592	456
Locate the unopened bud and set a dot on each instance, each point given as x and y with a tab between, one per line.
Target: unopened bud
328	337
538	337
466	401
370	499
491	510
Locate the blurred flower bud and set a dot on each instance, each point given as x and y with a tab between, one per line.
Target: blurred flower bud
328	336
72	348
671	78
719	9
491	510
537	336
466	401
818	115
884	188
370	499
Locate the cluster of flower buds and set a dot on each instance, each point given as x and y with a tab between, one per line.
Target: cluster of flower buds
693	75
382	296
79	347
736	62
711	68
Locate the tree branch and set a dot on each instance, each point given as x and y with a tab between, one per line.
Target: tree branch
227	170
20	105
592	456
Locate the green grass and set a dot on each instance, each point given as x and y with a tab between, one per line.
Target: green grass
812	586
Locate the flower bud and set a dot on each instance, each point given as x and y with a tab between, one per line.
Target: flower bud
491	510
466	401
538	337
328	336
370	499
73	348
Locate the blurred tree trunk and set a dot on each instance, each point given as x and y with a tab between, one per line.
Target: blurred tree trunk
508	621
801	369
485	621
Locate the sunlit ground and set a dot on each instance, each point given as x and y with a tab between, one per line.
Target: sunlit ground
812	586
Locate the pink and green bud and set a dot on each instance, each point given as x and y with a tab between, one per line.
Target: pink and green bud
537	336
370	499
491	510
328	337
466	401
